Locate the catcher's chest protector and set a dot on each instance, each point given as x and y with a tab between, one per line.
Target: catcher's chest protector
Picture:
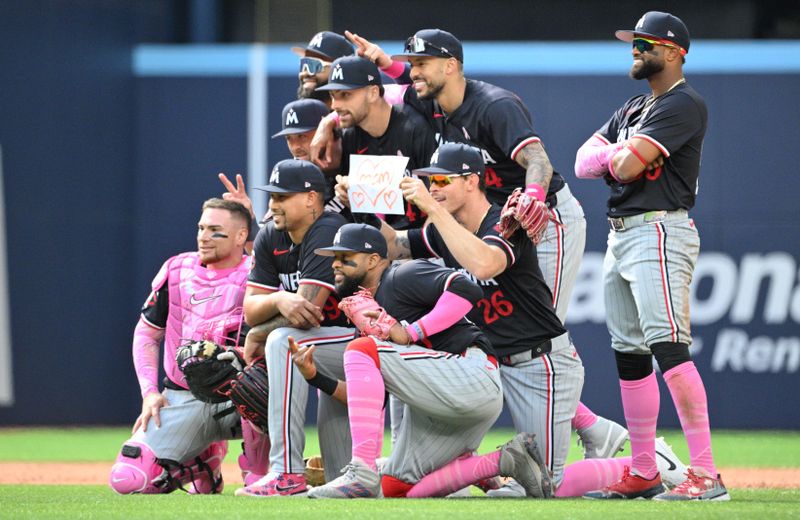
203	304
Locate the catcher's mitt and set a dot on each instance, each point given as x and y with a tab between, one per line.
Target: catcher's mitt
362	301
315	471
523	210
209	369
250	393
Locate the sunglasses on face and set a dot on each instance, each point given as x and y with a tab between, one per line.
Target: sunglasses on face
417	45
645	45
312	65
444	180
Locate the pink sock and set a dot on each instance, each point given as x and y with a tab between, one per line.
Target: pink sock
640	400
365	395
689	396
590	475
465	470
583	417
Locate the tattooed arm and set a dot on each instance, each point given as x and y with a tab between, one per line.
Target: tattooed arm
397	241
301	310
537	165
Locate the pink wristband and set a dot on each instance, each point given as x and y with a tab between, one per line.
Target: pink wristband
395	70
535	191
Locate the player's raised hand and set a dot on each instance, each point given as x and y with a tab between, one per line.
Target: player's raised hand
342	185
303	357
236	193
151	404
300	312
369	50
326	149
415	192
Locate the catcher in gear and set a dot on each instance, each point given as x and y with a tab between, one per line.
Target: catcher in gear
196	296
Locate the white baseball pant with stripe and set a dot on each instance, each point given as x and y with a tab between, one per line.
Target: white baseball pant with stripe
451	401
188	426
542	394
288	396
647	271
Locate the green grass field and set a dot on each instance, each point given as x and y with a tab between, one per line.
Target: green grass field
732	449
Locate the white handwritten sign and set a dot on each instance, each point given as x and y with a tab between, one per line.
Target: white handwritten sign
375	184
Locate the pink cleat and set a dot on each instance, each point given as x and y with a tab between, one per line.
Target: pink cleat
276	485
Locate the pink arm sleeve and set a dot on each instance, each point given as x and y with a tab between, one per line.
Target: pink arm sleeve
593	159
146	346
449	308
395	70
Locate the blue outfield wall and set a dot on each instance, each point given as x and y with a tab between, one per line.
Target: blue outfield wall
190	122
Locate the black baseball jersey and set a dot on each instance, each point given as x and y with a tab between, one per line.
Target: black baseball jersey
410	290
516	310
496	121
407	135
675	123
279	264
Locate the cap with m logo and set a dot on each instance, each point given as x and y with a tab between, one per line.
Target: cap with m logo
352	72
295	176
302	116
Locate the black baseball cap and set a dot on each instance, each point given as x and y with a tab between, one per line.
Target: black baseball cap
352	72
432	42
295	176
356	238
302	116
454	159
659	26
327	46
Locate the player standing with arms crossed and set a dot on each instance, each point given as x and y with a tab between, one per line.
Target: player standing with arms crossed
648	152
176	439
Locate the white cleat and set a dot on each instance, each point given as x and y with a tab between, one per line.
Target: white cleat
602	440
510	489
673	471
358	481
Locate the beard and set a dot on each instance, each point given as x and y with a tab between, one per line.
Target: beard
350	285
319	95
647	69
433	91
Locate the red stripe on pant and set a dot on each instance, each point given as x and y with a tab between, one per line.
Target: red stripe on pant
662	254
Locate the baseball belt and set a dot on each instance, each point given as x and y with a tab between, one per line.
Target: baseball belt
526	355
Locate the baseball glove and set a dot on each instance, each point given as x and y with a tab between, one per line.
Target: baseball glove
355	306
315	471
209	369
526	212
249	391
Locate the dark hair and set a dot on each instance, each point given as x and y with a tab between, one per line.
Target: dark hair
482	183
236	209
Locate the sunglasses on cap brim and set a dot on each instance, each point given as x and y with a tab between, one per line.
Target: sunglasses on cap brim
416	44
646	45
312	65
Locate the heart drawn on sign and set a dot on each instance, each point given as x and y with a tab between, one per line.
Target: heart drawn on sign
358	197
389	197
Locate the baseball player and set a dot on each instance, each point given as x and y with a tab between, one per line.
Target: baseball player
434	359
315	62
648	153
374	127
290	293
178	440
541	381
